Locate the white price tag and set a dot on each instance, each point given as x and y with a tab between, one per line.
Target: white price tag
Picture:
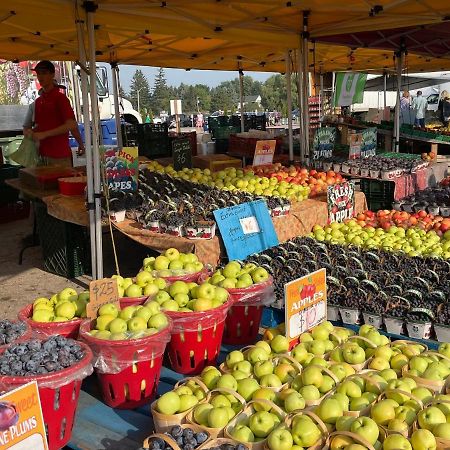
249	225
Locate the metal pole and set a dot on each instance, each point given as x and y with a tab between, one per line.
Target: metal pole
88	145
115	80
305	78
385	88
321	100
301	106
75	82
95	140
399	65
289	105
241	96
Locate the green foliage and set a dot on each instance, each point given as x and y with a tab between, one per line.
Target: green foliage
139	84
162	94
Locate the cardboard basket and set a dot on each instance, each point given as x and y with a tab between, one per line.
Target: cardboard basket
169	440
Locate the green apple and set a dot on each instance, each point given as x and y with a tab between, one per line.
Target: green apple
270	380
262	368
161	262
259	275
102	322
342	399
279	344
201	412
358	404
261	423
158	321
366	428
43	315
312	375
168	403
423	440
150	289
243	366
126	282
285	372
310	393
103	334
405	414
234	357
143	312
388	374
133	290
143	278
66	293
118	326
398	426
109	309
350	389
294	401
280	439
444	349
305	432
210	375
118	336
231	269
242	433
178	287
127	312
170	305
247	387
353	353
396	442
382	412
329	410
136	324
218	417
206	290
430	417
221	294
153	307
227	381
263	394
442	430
66	309
344	423
299	353
378	363
187	402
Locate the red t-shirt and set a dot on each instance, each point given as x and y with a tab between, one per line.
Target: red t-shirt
52	109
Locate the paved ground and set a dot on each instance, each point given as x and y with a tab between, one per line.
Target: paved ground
21	284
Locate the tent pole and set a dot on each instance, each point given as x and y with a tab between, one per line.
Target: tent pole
90	10
399	66
289	105
241	98
321	100
305	85
385	89
88	145
115	80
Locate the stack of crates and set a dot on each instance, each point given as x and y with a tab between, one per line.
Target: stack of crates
379	193
153	140
11	208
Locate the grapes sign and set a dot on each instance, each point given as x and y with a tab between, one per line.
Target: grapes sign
122	169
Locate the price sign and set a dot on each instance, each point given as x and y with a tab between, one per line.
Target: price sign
305	303
264	152
21	421
369	142
182	154
246	228
341	201
323	143
102	292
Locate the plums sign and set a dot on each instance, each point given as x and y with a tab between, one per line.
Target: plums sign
341	201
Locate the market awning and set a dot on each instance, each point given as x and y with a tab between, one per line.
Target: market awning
207	34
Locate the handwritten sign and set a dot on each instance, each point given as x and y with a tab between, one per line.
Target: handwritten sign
324	142
181	154
355	146
305	301
264	152
341	201
122	169
246	229
369	142
21	423
101	292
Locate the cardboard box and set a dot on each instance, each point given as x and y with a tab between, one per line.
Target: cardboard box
216	162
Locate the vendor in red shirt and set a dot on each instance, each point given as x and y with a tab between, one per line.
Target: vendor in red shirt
53	118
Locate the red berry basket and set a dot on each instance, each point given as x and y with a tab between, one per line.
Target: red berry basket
132	301
128	371
58	393
68	329
196	338
27	334
244	317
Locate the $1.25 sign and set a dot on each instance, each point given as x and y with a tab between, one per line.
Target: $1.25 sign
305	303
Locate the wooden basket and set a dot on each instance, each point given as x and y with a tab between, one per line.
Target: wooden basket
310	403
245	414
355	437
164	422
223	367
216	443
171	441
319	445
214	432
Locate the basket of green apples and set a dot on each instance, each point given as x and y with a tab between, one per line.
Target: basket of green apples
172	265
303	429
254	423
432	420
61	314
251	288
363	433
128	346
172	407
198	313
220	407
429	369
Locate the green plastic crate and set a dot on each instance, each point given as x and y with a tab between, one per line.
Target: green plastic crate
379	193
65	246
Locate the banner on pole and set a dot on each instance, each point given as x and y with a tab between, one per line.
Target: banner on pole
349	88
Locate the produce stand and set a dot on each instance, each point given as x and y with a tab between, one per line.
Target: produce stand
300	220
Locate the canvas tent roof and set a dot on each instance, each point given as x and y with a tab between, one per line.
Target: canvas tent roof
208	34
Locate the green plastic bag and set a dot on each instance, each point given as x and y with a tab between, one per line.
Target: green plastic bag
27	154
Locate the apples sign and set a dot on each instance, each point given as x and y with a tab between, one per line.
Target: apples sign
341	201
305	303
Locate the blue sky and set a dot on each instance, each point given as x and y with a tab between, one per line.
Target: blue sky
177	76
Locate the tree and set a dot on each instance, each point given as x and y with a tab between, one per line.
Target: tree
274	94
140	89
161	93
123	94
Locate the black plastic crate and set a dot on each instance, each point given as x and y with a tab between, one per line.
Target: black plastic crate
129	134
221	145
379	193
8	194
65	246
7	172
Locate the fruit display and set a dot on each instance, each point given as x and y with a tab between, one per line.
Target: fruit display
434	200
413	242
40	357
445	182
185	438
11	331
317	181
375	281
131	322
237	275
387	218
428	156
61	307
386	166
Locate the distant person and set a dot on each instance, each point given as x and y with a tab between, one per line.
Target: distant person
405	101
199	121
420	105
444	108
53	119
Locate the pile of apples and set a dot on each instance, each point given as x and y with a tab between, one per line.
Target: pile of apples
316	181
413	241
131	322
150	279
387	218
232	179
187	297
61	307
428	156
237	275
